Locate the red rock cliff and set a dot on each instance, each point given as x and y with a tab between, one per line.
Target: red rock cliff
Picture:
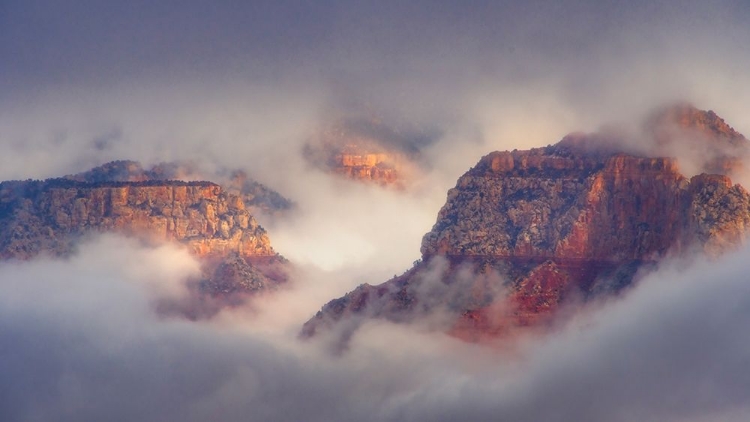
49	216
524	232
256	197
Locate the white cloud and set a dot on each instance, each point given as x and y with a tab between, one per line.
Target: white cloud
81	341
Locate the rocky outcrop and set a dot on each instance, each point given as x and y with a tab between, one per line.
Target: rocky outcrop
524	233
550	203
366	150
702	140
257	197
355	162
692	121
50	216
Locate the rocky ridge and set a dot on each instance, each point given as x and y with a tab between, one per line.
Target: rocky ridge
257	197
703	141
524	233
50	216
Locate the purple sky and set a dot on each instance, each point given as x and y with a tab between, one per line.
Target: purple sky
350	46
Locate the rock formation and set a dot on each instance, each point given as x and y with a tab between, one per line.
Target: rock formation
703	141
366	150
257	197
524	233
50	216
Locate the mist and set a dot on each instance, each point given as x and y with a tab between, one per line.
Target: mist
81	340
244	86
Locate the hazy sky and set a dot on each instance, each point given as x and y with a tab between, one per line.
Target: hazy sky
360	51
243	84
155	75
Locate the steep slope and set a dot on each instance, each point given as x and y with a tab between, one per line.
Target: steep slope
524	233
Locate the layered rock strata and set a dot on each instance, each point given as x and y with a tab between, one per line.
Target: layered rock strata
50	217
524	233
257	197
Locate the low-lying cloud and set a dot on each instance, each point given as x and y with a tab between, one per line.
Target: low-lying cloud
81	341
